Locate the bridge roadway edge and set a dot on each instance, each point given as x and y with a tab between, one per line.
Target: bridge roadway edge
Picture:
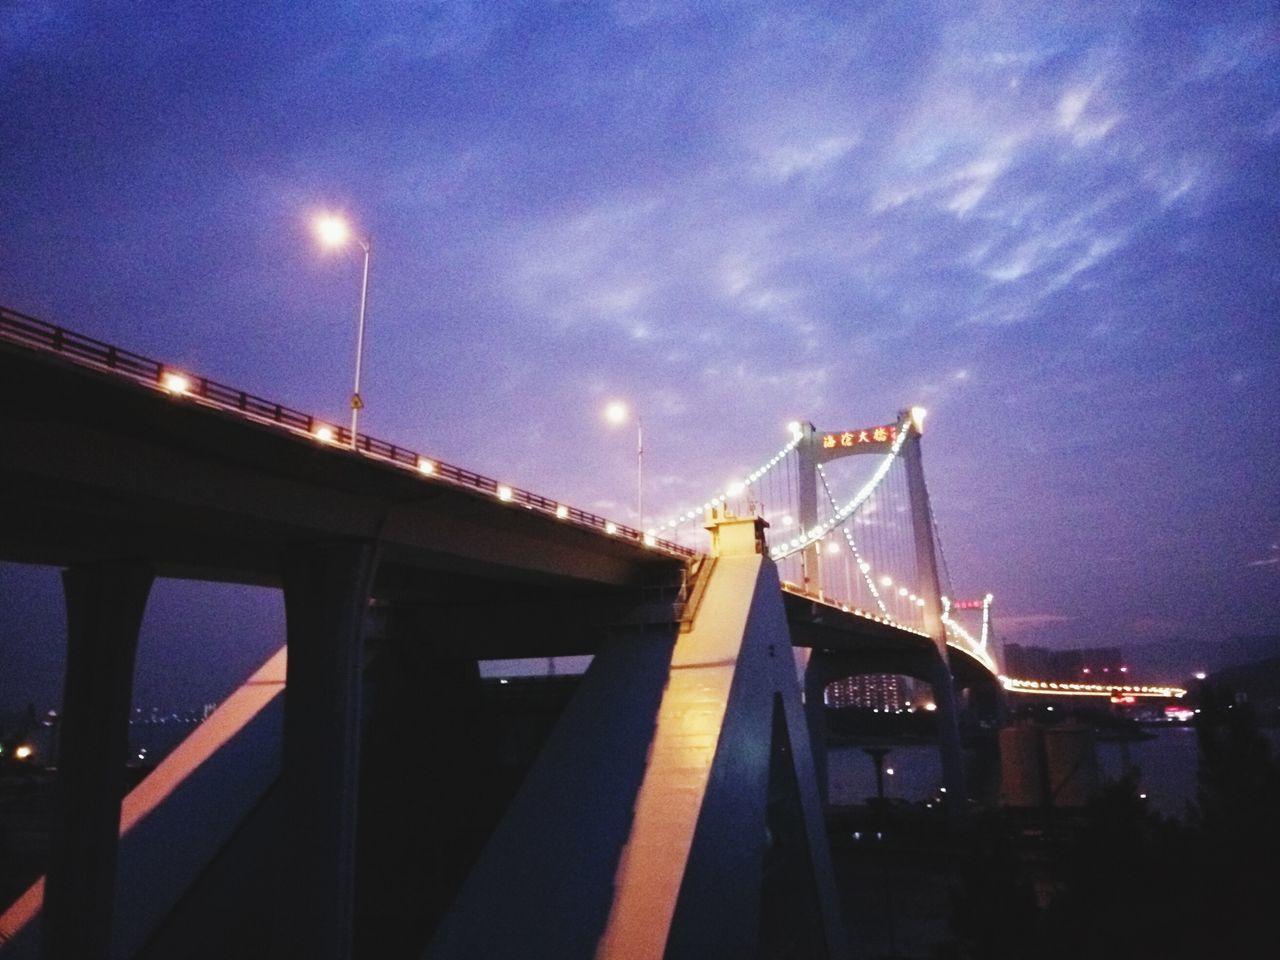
97	467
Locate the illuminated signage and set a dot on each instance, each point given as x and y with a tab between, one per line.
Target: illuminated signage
966	604
854	438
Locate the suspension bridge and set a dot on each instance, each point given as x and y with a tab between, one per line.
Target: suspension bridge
674	811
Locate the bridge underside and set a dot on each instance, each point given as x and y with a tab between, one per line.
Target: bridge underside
626	839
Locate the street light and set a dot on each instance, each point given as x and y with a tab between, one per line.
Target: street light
617	413
334	232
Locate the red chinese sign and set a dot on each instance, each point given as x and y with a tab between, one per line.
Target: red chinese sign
855	438
966	605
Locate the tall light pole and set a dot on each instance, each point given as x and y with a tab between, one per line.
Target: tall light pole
617	413
334	232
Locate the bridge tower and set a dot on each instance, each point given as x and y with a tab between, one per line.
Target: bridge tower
814	449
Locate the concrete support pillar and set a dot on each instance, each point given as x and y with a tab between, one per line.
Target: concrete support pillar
815	715
807	494
427	791
105	603
944	697
326	593
931	591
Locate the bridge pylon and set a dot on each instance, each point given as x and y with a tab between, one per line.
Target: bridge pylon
810	453
705	835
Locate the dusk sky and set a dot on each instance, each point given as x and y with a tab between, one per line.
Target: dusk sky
1056	225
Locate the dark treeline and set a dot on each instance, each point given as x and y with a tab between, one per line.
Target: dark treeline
1120	881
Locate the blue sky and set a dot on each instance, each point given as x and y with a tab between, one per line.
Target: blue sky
1053	224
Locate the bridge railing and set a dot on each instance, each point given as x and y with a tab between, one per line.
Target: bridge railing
89	352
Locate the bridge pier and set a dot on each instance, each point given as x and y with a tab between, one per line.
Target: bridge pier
105	603
326	594
815	714
924	663
426	790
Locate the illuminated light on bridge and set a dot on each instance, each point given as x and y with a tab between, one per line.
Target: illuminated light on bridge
1051	688
611	528
426	467
505	493
324	433
562	512
177	382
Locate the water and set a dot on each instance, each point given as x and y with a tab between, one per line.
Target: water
1167	764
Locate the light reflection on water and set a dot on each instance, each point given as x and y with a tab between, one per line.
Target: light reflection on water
1167	764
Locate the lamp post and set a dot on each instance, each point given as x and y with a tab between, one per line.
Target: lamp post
334	232
617	413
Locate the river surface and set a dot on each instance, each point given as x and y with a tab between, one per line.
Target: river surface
1166	763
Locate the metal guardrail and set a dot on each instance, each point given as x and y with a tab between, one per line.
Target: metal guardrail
972	650
164	378
796	590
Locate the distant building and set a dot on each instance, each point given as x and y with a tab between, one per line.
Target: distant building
871	691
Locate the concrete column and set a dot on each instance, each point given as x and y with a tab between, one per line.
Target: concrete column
427	791
105	603
807	494
326	593
944	697
815	715
931	591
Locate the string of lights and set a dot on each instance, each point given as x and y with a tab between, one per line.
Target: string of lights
863	567
735	489
823	528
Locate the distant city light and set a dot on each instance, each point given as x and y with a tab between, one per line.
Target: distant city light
24	751
1200	675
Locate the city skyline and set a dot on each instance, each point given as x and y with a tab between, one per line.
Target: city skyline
1054	228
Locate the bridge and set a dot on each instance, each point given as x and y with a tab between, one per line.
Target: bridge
676	808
